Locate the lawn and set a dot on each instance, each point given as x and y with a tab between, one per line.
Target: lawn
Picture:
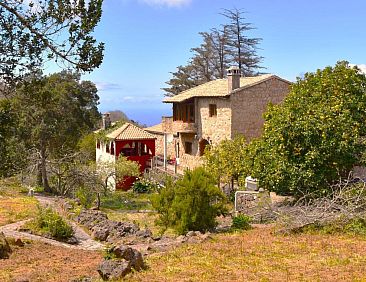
258	255
13	209
43	262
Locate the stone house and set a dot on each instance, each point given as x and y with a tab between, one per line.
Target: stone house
214	111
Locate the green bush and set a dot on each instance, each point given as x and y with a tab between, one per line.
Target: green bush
241	222
143	186
86	196
191	203
49	222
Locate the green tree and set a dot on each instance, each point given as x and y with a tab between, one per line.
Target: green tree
225	165
53	112
316	135
193	203
35	31
220	48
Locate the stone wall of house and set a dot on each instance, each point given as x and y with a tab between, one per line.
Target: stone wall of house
159	145
214	128
248	106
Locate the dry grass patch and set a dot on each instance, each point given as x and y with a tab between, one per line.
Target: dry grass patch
16	209
258	255
42	262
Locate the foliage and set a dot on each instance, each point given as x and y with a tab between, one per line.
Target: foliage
191	203
316	135
52	112
354	226
49	222
226	166
144	186
241	222
117	171
220	48
86	146
33	32
86	196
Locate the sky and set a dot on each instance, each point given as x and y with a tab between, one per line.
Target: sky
145	40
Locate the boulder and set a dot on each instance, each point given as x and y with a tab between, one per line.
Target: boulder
5	249
114	269
131	255
89	218
146	233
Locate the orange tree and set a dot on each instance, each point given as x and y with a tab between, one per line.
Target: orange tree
316	136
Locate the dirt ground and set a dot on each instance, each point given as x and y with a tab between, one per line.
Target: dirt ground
42	262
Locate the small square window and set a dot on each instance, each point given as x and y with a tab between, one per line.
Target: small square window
212	110
188	147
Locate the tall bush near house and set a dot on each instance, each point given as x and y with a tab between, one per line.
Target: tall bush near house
192	203
316	135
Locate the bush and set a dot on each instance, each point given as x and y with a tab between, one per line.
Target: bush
191	203
143	186
241	222
49	222
86	196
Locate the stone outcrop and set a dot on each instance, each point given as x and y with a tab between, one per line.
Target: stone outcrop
125	260
104	229
5	249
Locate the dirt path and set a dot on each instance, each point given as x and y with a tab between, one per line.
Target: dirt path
85	241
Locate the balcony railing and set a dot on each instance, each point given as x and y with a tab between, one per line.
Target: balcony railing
188	127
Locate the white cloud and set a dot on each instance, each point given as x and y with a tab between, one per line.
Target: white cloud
362	67
105	86
169	3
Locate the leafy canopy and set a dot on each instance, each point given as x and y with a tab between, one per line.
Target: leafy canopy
33	32
316	135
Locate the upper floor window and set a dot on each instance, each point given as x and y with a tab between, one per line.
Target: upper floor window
183	112
212	110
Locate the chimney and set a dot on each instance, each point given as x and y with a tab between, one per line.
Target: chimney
106	121
233	78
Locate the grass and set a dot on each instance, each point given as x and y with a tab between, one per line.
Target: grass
15	209
129	200
258	255
43	262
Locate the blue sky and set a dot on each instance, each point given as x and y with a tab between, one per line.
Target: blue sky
147	39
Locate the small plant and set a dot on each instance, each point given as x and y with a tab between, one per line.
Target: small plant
86	197
143	186
241	222
49	222
108	253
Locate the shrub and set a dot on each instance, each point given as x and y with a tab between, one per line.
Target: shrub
241	222
86	197
191	203
143	186
49	222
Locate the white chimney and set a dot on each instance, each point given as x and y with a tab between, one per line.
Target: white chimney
233	78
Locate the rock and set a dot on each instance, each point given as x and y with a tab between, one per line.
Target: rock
5	249
89	218
72	241
18	242
191	233
131	255
100	232
114	269
181	239
144	233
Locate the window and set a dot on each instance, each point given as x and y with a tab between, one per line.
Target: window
112	148
183	112
107	148
98	144
212	110
188	147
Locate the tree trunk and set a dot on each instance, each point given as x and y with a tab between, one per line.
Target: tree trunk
98	201
46	186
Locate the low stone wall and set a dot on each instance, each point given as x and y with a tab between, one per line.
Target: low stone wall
256	204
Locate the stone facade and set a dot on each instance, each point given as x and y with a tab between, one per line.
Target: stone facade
249	104
221	117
